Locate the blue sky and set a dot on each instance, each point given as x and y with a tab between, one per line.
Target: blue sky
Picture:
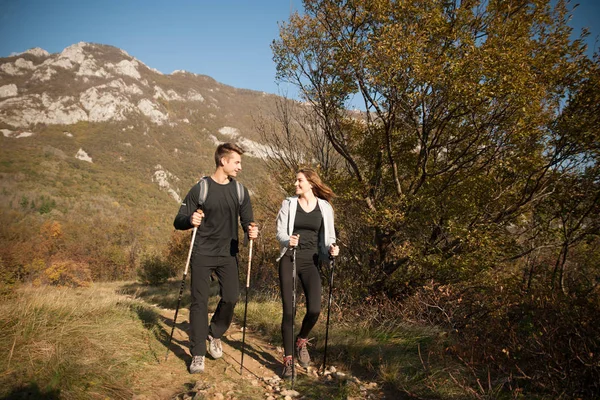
226	39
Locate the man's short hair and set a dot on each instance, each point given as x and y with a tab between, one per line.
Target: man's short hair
224	150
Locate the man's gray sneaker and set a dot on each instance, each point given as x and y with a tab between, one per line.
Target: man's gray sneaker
302	352
197	365
215	348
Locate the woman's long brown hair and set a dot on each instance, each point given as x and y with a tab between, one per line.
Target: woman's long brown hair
320	189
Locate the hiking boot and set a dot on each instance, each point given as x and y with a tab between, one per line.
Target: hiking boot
215	348
288	368
197	365
302	352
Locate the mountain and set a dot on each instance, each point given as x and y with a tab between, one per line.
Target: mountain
93	136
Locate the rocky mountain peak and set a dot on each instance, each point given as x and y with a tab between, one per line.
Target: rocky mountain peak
86	82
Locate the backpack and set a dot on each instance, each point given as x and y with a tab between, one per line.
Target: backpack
204	191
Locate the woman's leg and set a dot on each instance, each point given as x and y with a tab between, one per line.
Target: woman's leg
311	284
286	287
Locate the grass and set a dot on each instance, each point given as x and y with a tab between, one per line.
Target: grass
395	354
106	342
72	343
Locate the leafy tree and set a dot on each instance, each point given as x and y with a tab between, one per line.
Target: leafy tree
454	150
474	169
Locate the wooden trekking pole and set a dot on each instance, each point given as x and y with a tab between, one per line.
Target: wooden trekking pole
187	264
252	224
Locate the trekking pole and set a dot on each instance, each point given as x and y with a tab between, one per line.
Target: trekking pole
331	267
246	306
187	264
294	313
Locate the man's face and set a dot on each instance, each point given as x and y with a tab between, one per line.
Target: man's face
232	164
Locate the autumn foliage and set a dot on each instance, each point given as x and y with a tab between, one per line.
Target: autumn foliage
469	186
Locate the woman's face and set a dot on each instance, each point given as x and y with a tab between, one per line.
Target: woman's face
303	186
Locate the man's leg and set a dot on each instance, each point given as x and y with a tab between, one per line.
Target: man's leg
227	272
200	284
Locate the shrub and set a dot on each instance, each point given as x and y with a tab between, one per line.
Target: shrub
539	341
154	270
68	273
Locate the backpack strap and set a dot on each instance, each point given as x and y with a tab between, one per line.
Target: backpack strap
240	192
203	186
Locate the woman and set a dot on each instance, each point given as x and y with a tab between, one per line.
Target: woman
305	221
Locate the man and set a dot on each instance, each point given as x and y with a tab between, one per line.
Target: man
215	250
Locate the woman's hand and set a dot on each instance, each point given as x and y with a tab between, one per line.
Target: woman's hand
294	239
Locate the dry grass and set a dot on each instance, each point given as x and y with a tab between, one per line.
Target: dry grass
92	343
403	358
72	343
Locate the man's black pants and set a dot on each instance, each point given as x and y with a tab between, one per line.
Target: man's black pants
226	269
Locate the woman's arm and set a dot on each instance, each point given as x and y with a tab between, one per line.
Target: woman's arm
282	224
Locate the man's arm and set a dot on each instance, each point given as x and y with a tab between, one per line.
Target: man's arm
187	208
247	217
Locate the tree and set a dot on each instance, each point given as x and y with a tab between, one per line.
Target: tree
455	148
294	137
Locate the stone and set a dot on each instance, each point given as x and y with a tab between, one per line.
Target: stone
340	375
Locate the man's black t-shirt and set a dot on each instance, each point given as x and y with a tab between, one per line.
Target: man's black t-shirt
217	235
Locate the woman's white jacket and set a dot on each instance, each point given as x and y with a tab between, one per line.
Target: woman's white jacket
285	225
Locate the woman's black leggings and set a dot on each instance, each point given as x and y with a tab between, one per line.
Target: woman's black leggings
309	277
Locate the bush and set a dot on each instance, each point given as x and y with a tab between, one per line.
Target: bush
540	341
154	270
68	273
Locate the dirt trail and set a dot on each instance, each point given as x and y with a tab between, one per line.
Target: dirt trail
221	379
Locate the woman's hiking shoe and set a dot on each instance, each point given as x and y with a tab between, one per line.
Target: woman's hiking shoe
302	352
215	348
197	365
288	368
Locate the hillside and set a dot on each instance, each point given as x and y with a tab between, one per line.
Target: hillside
93	138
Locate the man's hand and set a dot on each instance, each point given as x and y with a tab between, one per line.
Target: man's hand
196	218
334	250
252	231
